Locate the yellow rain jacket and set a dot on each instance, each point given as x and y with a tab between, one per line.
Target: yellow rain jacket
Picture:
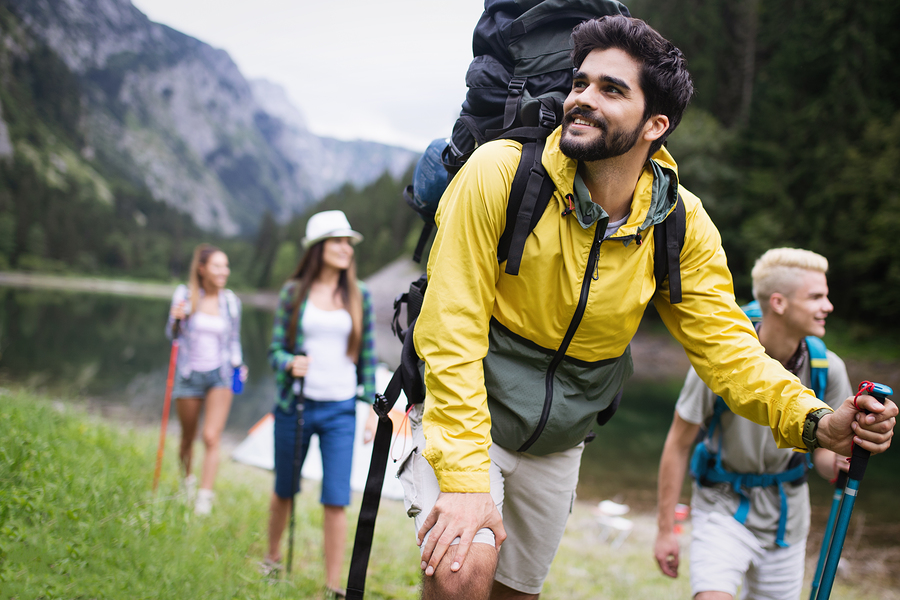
528	361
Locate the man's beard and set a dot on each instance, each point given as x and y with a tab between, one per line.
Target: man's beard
606	146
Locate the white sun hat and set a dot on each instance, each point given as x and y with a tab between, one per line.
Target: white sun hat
329	224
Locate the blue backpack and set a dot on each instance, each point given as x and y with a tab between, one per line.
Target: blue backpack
706	465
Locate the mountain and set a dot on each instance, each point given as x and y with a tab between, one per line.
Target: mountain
175	115
325	164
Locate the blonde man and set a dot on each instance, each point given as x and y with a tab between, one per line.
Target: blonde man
751	513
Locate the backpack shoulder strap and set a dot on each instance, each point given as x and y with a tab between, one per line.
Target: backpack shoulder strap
753	311
818	364
529	194
406	379
718	410
231	300
668	240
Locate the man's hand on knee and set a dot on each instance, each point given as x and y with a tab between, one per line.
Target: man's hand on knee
458	515
474	581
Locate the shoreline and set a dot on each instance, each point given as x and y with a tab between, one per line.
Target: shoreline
117	287
656	355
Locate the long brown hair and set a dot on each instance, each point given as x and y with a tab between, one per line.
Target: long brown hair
306	273
195	279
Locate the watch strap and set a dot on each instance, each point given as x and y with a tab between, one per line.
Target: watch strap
811	426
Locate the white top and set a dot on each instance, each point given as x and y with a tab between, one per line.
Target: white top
332	374
206	333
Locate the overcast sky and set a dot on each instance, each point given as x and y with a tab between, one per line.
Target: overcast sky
391	70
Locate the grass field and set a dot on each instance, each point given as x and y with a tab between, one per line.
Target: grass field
78	521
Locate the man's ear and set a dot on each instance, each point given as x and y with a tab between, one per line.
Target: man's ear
655	127
778	303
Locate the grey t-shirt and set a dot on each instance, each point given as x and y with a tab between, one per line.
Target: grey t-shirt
750	448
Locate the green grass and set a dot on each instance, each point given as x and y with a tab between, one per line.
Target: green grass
78	521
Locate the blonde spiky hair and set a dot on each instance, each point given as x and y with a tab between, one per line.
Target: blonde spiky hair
779	270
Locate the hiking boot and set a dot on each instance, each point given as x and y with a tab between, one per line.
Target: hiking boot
204	503
269	567
188	488
335	593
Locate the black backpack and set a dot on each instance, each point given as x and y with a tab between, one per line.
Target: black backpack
518	80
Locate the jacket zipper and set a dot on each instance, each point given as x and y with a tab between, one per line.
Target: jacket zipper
593	260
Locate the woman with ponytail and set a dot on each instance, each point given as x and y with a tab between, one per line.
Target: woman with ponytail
323	336
207	318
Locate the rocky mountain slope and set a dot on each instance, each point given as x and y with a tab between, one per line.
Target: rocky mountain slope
171	113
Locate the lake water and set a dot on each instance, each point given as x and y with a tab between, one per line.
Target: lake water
112	350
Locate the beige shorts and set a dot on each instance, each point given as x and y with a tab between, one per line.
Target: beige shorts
725	555
534	494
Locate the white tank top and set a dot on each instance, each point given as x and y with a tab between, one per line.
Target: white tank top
206	337
331	375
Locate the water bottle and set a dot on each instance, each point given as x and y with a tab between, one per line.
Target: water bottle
237	385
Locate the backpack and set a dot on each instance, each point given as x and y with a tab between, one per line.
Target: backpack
706	465
517	81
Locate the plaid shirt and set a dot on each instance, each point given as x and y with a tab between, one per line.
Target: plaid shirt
280	356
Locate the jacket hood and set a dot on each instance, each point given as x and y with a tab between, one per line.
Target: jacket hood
654	196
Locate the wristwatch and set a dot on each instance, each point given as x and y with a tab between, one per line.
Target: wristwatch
811	426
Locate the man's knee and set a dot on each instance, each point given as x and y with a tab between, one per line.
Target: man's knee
473	581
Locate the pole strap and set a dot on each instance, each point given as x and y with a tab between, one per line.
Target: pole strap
365	527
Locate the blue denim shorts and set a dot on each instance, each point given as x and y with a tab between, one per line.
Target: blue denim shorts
198	383
335	424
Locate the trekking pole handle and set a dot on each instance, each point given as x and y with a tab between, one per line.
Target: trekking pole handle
297	385
841	481
860	458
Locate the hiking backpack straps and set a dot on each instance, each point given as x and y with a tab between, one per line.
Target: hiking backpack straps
529	195
668	240
706	465
707	469
365	526
407	379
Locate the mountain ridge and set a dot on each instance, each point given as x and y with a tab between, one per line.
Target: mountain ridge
175	115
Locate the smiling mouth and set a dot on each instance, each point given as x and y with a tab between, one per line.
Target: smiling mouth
580	121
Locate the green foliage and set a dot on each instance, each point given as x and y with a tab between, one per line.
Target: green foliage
78	520
866	194
7	234
286	258
378	211
806	97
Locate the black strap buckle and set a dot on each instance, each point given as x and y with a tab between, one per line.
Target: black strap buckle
517	86
547	118
381	407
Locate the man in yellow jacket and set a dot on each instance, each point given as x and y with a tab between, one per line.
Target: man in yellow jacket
517	367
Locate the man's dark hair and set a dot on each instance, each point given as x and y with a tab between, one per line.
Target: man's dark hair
664	78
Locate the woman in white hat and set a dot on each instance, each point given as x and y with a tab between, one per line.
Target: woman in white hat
323	349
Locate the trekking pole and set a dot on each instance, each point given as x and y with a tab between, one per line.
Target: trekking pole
297	388
858	463
839	485
170	380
